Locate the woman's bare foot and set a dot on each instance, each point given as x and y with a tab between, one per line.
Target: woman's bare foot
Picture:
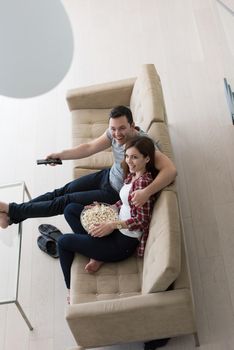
4	220
93	265
4	207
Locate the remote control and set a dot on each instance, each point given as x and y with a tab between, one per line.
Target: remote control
49	161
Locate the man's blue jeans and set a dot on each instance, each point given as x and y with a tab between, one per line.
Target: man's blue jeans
85	190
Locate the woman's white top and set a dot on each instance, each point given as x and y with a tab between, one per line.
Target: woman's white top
125	213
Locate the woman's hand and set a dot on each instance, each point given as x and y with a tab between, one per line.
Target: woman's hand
113	206
90	206
101	230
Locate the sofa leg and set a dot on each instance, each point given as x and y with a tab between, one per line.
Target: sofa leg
196	339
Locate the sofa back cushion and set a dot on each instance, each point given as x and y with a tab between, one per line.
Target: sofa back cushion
159	133
147	103
87	124
162	258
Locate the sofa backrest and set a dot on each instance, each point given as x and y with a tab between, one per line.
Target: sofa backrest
147	103
162	258
87	124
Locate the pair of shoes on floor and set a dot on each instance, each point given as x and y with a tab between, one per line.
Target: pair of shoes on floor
48	240
155	344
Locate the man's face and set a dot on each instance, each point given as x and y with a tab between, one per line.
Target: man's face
120	129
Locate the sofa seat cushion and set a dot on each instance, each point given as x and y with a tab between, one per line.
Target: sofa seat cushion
111	281
88	124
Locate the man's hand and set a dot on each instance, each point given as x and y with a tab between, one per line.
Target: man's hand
139	197
54	156
101	230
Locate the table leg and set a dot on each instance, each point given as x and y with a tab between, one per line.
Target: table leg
23	314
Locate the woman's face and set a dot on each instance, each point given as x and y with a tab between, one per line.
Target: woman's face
135	161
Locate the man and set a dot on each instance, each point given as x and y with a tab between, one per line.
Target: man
102	186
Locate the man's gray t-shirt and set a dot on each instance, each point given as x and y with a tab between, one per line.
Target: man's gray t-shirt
116	171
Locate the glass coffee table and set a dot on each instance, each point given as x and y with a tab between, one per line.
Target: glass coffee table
10	249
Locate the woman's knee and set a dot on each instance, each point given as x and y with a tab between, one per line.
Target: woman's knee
73	209
64	241
61	241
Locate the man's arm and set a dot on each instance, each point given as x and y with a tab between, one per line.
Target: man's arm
167	174
84	150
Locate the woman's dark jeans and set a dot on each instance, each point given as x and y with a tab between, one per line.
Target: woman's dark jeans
85	190
111	248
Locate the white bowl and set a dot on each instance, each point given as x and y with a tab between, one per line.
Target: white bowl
97	214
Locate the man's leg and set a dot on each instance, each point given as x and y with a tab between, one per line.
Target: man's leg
20	212
97	188
84	183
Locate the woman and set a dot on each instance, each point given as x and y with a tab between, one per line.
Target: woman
117	240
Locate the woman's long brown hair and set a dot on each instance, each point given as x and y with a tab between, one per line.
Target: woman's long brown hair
147	148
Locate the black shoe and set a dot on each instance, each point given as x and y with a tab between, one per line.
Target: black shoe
155	344
48	246
50	231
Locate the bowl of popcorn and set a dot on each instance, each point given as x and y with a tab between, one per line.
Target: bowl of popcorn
97	213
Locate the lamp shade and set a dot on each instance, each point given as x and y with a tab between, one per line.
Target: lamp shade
36	46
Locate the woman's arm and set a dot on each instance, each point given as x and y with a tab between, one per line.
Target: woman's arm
140	215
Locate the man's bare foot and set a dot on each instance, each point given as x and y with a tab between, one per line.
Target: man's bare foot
4	207
4	220
93	265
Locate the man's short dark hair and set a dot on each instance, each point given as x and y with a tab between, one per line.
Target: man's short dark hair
121	111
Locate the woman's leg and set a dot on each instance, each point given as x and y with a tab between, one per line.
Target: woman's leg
66	257
111	248
72	215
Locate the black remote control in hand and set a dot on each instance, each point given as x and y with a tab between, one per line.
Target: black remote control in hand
49	161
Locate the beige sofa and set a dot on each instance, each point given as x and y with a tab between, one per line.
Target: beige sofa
136	299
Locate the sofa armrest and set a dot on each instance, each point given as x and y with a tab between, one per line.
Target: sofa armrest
136	318
106	95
